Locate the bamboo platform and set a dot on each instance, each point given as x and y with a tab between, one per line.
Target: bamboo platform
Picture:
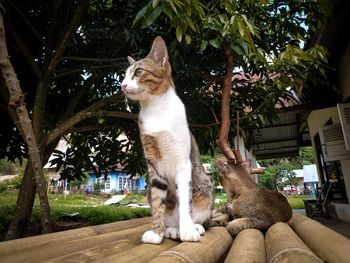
301	240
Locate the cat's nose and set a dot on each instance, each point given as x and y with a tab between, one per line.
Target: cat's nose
124	85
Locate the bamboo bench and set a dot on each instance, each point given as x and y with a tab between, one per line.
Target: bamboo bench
301	240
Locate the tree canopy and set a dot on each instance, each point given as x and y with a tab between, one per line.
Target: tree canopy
70	58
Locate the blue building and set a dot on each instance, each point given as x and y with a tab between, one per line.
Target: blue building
117	181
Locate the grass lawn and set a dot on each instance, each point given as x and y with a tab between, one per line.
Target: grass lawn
296	202
90	208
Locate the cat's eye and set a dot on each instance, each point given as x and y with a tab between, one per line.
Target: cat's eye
138	72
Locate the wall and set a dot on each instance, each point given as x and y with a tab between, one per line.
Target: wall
316	120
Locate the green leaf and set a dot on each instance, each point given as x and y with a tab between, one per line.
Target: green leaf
237	49
215	42
249	25
152	17
222	18
168	10
203	45
179	33
140	14
192	26
188	39
240	28
155	3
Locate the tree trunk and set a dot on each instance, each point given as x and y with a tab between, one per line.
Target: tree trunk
24	205
16	101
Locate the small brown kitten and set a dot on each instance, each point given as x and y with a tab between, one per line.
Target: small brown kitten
179	192
248	205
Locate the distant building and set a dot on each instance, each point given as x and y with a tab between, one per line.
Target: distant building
117	181
307	181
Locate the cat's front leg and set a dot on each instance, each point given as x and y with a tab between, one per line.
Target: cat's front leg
157	197
187	228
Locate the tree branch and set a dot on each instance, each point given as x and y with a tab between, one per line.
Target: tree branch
92	59
30	25
94	127
207	77
90	112
24	49
80	69
43	84
76	98
71	29
225	109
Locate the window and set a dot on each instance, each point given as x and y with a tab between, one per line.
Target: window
122	180
108	183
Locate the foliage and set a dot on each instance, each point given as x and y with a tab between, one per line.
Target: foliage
93	64
98	186
70	60
278	172
7	168
306	156
213	171
17	181
265	38
107	214
278	176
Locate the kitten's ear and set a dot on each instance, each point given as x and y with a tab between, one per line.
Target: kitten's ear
223	167
159	52
246	164
131	60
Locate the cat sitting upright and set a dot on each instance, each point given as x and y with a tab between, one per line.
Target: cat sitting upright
179	190
248	205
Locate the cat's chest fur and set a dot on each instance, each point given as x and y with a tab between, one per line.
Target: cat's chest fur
165	113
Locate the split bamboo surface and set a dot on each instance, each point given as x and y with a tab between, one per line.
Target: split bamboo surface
303	240
323	241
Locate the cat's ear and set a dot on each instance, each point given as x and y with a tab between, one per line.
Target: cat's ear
246	164
222	167
131	60
159	52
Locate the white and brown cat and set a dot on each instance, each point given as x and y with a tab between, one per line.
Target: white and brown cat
179	192
249	206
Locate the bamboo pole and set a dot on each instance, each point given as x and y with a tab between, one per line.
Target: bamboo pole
248	246
324	242
30	243
141	253
51	251
96	253
283	245
212	247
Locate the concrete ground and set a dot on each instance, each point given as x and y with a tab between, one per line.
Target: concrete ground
338	226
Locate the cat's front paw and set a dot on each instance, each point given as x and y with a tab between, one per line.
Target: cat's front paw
189	233
172	232
152	237
200	229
